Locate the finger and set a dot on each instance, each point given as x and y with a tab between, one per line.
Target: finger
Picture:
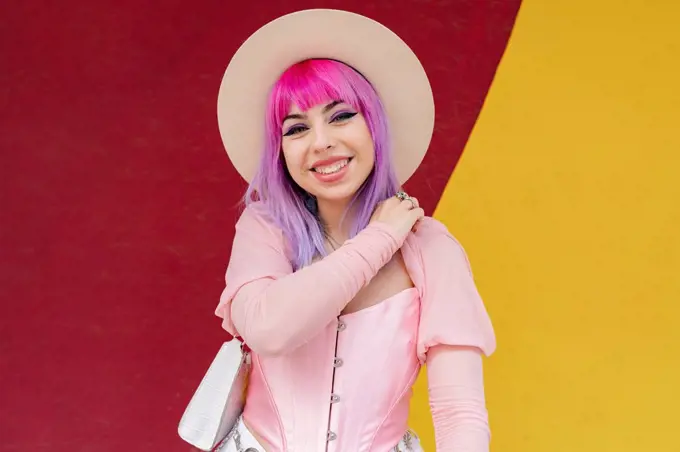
415	202
407	204
418	213
393	201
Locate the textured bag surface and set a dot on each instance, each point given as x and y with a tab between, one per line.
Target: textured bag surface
219	400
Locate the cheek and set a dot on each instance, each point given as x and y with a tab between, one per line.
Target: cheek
370	154
362	142
366	150
368	164
293	158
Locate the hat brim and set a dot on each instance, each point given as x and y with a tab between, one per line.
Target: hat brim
362	43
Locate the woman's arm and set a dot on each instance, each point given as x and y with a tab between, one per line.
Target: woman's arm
454	331
275	314
457	403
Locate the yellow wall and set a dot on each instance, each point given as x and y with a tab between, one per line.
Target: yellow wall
567	199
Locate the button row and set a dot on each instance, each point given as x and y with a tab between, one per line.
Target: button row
337	362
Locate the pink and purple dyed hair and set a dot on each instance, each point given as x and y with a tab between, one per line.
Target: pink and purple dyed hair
306	84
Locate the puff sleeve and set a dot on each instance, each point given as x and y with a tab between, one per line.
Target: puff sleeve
452	311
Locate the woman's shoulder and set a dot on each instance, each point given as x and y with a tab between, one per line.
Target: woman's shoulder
256	217
256	211
436	242
431	232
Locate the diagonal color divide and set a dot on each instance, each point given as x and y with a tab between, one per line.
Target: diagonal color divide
567	200
118	198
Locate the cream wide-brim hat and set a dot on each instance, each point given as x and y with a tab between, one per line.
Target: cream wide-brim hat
375	51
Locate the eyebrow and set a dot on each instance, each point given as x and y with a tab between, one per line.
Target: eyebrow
301	116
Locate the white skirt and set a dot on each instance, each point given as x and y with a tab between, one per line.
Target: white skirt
241	440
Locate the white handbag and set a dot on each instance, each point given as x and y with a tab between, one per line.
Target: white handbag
219	400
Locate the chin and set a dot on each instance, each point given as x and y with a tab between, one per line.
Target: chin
336	194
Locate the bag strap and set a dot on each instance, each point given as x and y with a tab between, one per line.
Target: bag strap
244	346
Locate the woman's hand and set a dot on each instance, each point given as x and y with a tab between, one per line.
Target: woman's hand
401	216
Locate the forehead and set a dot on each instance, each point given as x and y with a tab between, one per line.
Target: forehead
320	107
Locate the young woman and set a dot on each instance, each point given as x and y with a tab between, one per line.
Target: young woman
337	282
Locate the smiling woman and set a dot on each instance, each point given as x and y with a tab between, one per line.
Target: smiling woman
337	282
322	129
328	122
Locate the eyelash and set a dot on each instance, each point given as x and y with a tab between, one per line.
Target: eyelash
342	116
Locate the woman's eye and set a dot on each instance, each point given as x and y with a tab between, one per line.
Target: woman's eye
344	116
295	130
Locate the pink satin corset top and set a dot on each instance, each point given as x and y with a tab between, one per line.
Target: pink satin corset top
329	395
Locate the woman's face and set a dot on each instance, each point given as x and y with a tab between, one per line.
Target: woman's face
328	150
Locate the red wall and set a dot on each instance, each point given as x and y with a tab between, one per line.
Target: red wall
117	199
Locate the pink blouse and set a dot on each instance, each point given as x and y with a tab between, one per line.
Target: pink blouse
326	381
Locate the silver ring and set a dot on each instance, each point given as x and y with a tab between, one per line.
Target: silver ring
402	196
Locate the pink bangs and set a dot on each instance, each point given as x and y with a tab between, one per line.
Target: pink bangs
315	82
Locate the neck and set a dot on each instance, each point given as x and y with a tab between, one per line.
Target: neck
331	213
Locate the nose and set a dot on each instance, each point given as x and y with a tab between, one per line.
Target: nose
323	139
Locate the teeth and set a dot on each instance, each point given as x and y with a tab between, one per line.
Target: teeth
334	168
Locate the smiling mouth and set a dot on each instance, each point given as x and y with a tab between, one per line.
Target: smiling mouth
333	167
